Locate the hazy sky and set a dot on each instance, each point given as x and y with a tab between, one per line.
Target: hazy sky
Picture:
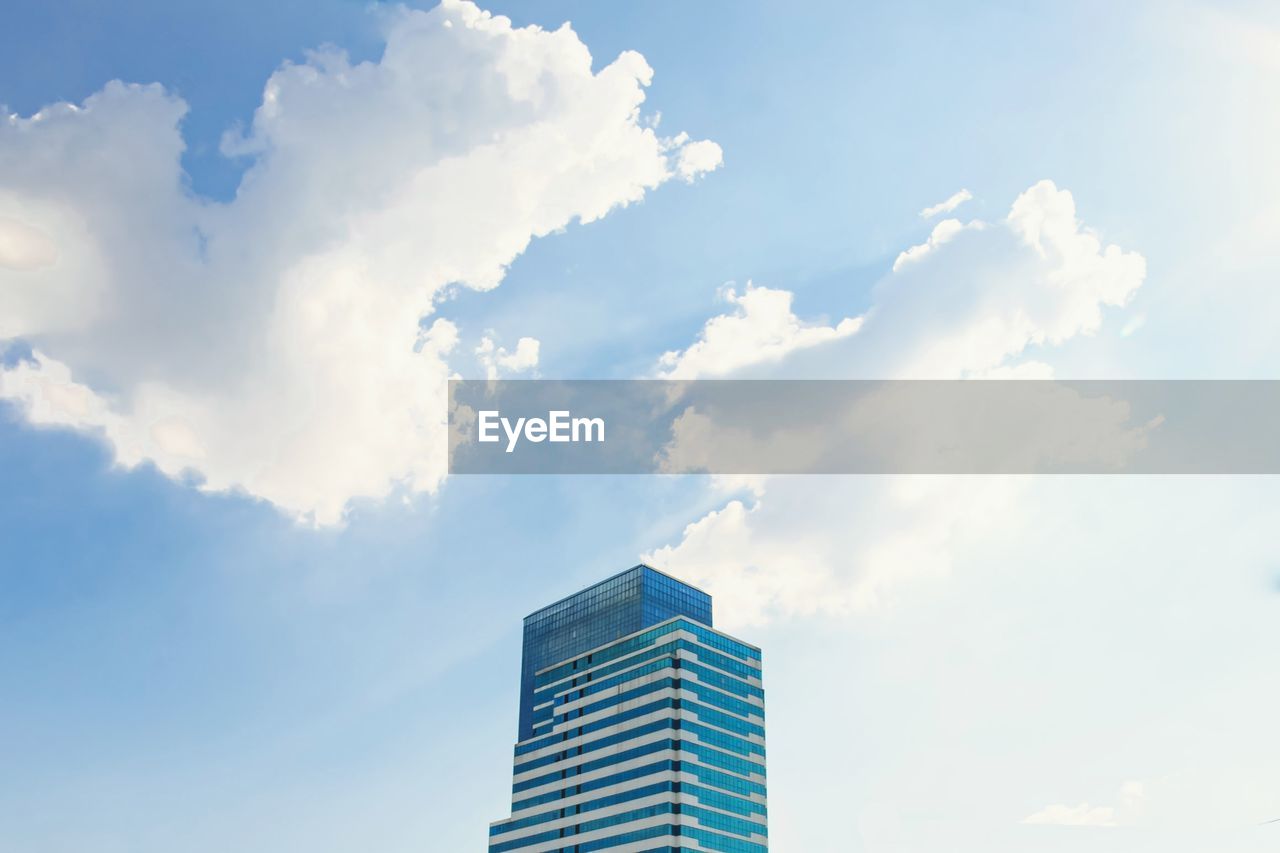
242	606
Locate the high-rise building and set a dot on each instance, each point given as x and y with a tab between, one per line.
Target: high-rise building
641	727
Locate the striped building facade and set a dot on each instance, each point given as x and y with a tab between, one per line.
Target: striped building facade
642	728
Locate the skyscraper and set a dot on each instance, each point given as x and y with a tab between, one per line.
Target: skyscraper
641	727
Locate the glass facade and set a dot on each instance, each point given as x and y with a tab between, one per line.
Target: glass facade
617	606
641	727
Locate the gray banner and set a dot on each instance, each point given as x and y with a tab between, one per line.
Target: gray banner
863	427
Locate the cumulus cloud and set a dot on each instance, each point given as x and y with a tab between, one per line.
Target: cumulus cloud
950	204
696	158
1132	795
23	247
982	293
968	305
723	545
1132	327
761	329
1081	815
941	233
495	359
283	343
921	427
835	546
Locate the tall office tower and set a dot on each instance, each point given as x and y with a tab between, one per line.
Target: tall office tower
641	727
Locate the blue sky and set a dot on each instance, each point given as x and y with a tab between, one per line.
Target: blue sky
282	660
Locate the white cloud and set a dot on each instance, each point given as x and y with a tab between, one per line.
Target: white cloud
1022	370
983	292
1081	815
762	329
1135	324
968	305
1132	795
495	359
831	545
941	233
697	158
946	206
1058	428
23	247
765	579
283	343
